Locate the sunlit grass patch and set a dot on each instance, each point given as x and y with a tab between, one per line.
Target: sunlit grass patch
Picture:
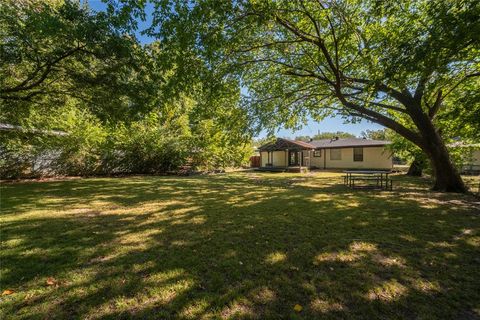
276	257
325	306
388	291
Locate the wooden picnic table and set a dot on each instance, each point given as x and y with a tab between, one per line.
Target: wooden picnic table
379	177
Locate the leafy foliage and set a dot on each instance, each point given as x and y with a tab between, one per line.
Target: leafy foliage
375	134
54	51
326	135
85	146
119	108
391	63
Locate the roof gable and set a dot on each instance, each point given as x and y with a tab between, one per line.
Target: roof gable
284	144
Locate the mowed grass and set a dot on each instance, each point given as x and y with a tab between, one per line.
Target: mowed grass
237	246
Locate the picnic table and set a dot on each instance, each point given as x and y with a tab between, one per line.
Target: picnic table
368	179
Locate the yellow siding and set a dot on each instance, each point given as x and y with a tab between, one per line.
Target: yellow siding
317	161
264	156
373	158
476	158
279	158
471	160
307	156
346	160
378	157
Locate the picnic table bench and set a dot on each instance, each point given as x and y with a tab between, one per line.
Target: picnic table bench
368	179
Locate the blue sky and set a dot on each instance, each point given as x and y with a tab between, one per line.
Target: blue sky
329	125
312	127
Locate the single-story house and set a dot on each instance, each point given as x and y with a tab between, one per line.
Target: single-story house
335	153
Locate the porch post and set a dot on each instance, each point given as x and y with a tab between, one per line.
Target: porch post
286	158
325	158
312	153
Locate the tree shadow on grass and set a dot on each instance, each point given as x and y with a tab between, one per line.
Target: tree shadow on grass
227	247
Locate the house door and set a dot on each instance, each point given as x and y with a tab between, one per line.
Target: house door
293	158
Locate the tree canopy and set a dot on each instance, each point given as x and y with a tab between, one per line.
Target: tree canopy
326	135
84	73
245	66
56	50
393	63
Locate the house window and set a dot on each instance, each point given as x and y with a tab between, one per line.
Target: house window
357	154
317	153
335	154
293	158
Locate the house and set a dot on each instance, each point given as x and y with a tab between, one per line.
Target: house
470	156
14	128
352	153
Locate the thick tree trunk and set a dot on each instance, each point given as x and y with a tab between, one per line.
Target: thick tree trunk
427	138
415	169
446	176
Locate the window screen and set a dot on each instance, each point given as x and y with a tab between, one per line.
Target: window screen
357	154
317	153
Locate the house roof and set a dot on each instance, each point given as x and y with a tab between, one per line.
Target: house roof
348	142
283	144
11	127
461	144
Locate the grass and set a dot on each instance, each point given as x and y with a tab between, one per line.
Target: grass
237	246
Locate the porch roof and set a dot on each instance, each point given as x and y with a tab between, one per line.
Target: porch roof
284	144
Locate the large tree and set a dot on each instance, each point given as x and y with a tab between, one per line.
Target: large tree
68	69
390	62
54	50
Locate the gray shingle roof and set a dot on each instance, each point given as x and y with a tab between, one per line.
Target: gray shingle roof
11	127
300	143
348	142
282	143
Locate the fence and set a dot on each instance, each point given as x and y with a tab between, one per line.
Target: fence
255	161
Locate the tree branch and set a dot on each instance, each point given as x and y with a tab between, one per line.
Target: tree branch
421	86
310	38
432	111
397	95
382	105
284	64
476	74
24	86
266	45
380	119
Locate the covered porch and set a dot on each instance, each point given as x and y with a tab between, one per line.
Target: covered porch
285	155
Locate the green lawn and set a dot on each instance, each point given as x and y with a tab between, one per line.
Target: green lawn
237	246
